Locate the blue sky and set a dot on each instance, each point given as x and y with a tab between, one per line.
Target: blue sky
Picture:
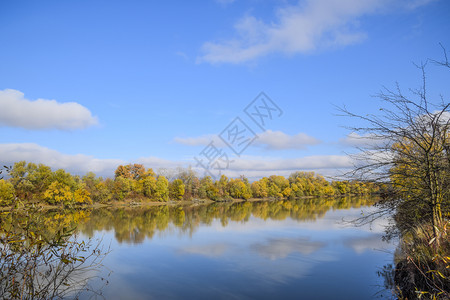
89	85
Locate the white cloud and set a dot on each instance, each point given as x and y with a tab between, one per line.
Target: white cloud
309	26
437	117
212	250
271	140
368	141
256	167
362	244
279	140
277	248
202	140
377	142
301	28
156	162
182	54
17	111
259	166
251	166
301	163
445	117
353	139
78	164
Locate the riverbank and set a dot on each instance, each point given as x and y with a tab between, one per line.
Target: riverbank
423	268
138	203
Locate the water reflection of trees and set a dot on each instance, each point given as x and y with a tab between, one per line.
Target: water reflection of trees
133	225
41	258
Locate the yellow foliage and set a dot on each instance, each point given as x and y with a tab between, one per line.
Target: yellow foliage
58	193
82	196
6	193
287	192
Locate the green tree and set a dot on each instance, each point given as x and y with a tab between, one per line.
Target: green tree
208	189
102	192
162	189
340	187
122	187
19	178
90	180
7	193
222	187
259	188
238	189
176	189
148	185
65	178
277	185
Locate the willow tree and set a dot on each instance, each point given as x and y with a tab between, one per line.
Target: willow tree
407	144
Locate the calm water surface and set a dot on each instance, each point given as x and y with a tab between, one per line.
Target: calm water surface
260	250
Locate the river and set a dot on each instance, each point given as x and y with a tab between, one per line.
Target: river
299	249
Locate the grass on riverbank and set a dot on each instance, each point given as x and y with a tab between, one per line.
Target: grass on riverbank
424	270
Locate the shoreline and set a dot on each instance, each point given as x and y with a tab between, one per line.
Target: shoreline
130	203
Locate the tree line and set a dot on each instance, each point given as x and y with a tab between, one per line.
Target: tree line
37	183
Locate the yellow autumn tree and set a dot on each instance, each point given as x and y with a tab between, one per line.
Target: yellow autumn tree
421	172
7	193
58	193
176	189
161	189
82	196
